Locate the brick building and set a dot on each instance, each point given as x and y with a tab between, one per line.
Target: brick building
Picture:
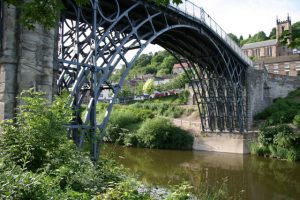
274	57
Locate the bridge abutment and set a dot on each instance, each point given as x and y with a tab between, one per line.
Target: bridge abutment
263	87
223	142
27	60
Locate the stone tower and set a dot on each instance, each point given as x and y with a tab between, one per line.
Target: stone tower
283	26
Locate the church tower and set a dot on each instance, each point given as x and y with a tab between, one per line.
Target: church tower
283	26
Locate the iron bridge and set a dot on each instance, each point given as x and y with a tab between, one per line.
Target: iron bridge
98	36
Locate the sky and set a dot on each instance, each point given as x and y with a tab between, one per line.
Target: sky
244	17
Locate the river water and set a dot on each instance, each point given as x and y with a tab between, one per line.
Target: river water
248	177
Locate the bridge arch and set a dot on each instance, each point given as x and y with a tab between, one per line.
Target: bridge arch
92	43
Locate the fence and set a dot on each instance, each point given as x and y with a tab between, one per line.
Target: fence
187	125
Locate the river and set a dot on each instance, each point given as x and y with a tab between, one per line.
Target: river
248	177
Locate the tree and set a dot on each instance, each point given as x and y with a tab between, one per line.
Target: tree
125	92
46	13
272	34
292	39
258	37
234	38
138	90
143	60
241	38
148	87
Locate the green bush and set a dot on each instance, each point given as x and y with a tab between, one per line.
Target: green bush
37	161
160	133
38	131
285	116
180	192
295	93
258	149
127	190
266	133
119	120
281	111
279	141
296	120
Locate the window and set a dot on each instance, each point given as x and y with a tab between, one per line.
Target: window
287	73
257	52
297	66
298	73
286	65
282	28
275	71
269	51
275	66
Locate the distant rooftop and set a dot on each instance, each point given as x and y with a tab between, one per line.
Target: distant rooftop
178	65
260	44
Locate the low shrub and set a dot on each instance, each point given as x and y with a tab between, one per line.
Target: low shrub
119	120
281	111
295	93
278	141
267	133
257	149
38	161
125	190
296	120
160	133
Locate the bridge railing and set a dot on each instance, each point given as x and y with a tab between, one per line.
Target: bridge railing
198	14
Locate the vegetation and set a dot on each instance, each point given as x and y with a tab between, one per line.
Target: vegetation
160	133
178	82
159	64
135	125
292	39
258	37
276	137
38	161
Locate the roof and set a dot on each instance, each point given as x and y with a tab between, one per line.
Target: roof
260	44
178	65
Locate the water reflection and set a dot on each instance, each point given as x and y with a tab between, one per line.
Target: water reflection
260	178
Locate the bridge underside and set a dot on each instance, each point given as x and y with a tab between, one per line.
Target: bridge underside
97	37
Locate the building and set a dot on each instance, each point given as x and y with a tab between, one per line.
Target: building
105	95
163	80
177	68
276	58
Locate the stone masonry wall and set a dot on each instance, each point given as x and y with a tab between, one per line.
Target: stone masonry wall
263	88
27	61
8	64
